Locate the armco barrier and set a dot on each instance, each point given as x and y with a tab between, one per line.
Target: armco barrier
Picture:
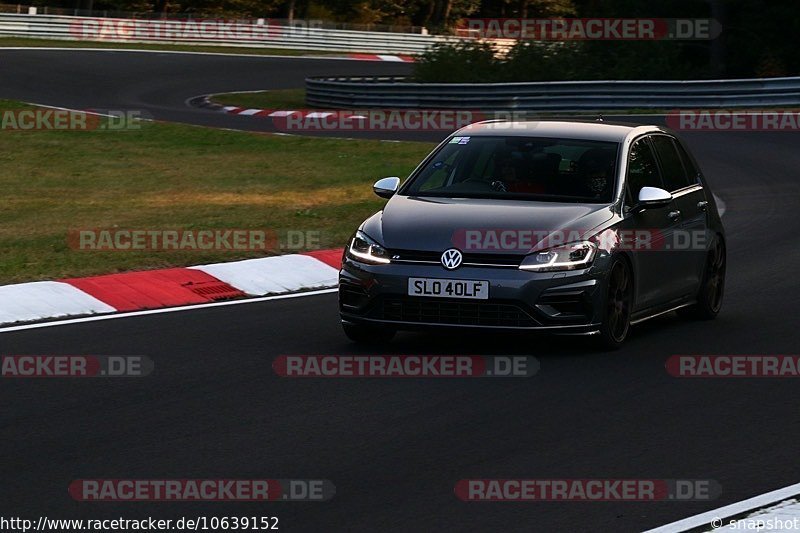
397	93
258	33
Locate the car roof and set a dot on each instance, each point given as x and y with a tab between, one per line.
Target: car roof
584	130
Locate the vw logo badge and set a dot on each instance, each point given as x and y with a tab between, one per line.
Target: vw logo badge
451	259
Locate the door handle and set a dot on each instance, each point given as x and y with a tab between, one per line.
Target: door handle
674	215
702	205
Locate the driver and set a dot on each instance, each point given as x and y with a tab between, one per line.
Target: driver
505	170
596	171
508	173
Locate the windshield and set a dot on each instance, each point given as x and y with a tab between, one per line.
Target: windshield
525	168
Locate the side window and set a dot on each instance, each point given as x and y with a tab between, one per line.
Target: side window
642	170
671	166
691	170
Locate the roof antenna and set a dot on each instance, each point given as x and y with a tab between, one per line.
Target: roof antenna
599	118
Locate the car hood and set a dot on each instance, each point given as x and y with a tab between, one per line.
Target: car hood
435	224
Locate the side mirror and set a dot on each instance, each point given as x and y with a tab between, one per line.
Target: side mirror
651	197
386	187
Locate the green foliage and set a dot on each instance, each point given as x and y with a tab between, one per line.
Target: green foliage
557	61
464	61
535	61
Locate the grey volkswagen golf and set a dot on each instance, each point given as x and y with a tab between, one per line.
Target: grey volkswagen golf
562	227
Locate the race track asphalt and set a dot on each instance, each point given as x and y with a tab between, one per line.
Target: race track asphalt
157	85
394	449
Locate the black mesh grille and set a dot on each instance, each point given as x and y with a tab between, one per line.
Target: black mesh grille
352	296
565	305
510	260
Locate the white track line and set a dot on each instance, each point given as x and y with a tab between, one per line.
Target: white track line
95	113
733	509
165	310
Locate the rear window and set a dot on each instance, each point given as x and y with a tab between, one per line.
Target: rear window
532	168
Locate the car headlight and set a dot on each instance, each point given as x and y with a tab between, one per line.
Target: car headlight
570	256
366	250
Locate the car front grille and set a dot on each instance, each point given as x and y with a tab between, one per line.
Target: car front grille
449	312
470	259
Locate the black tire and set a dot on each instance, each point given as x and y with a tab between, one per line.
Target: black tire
363	334
712	288
618	305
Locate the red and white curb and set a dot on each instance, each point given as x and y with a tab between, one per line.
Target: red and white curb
206	103
282	118
171	287
282	113
382	57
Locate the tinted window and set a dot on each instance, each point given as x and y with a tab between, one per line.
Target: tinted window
439	176
516	167
691	170
642	169
671	166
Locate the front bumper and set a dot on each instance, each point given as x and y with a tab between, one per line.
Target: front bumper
560	302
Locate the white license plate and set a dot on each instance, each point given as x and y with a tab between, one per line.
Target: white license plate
448	288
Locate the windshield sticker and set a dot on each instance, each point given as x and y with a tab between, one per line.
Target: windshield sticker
459	140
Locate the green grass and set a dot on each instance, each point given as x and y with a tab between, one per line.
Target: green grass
57	43
169	176
275	99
